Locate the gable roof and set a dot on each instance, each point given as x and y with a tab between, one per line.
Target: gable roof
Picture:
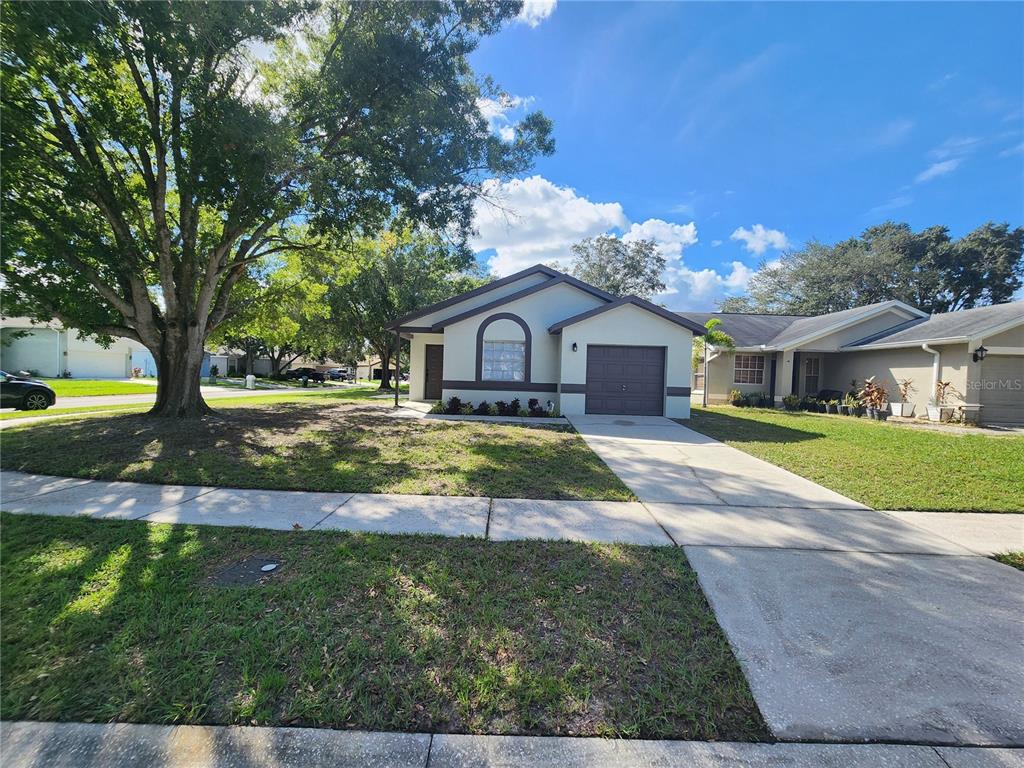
559	279
781	331
636	301
487	287
963	325
746	330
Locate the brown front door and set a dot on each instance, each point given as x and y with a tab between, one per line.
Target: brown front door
434	365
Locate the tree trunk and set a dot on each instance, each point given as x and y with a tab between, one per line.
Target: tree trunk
179	362
385	372
250	361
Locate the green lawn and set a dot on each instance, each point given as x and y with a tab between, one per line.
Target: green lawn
1016	559
123	621
885	466
93	387
318	444
289	395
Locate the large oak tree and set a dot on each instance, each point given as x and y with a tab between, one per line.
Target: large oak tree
154	151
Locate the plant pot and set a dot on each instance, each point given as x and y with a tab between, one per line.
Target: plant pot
941	413
872	413
904	410
882	414
858	411
844	410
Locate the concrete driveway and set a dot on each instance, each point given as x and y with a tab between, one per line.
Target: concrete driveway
851	624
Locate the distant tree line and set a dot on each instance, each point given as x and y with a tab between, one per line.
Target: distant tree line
928	269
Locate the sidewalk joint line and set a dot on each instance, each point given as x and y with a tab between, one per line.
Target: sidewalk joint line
55	490
658	523
487	525
332	512
939	755
430	749
175	504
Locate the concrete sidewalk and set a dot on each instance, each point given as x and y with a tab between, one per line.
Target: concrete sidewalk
659	524
92	745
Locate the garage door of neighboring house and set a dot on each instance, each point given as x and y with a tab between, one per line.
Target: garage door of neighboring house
1002	392
432	375
625	380
86	364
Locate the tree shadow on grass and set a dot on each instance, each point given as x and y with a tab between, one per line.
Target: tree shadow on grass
307	446
369	632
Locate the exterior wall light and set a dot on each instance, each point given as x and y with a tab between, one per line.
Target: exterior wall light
574	347
979	354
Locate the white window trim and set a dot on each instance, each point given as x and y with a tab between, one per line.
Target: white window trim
736	369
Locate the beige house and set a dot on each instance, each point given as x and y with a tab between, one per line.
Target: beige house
546	335
980	351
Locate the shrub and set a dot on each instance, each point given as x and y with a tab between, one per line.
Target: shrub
522	412
514	407
791	402
214	371
502	408
467	410
454	406
483	409
736	398
437	407
534	407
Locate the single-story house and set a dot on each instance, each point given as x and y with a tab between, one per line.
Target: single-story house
543	334
980	351
51	350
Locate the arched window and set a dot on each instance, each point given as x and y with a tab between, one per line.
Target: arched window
503	349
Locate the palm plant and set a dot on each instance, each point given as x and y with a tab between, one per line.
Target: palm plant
713	339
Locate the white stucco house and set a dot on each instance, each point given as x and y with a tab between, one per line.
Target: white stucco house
51	350
543	334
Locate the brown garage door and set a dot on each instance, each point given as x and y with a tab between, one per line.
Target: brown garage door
626	380
1002	393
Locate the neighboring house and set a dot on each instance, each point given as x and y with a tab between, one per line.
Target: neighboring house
783	354
369	368
50	350
545	335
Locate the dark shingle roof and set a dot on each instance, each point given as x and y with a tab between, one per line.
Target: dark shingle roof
747	330
965	324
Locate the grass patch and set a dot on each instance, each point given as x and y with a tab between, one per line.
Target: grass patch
119	621
93	387
318	445
882	465
1016	559
352	393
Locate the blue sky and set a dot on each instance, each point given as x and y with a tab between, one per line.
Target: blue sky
731	131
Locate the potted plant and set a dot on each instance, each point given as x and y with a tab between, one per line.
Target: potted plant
736	398
902	407
791	402
873	397
832	406
214	372
940	408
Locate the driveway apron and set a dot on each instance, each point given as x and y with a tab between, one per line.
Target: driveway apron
851	624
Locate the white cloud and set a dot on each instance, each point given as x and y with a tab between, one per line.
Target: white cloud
535	11
935	170
892	204
957	146
715	243
758	240
497	112
1011	151
532	220
894	132
671	238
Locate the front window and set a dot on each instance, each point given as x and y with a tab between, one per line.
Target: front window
749	369
504	361
812	375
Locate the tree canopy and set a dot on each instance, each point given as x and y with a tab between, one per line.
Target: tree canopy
155	152
926	269
380	279
621	268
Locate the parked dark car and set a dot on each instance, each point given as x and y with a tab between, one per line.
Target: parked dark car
25	393
339	374
306	373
